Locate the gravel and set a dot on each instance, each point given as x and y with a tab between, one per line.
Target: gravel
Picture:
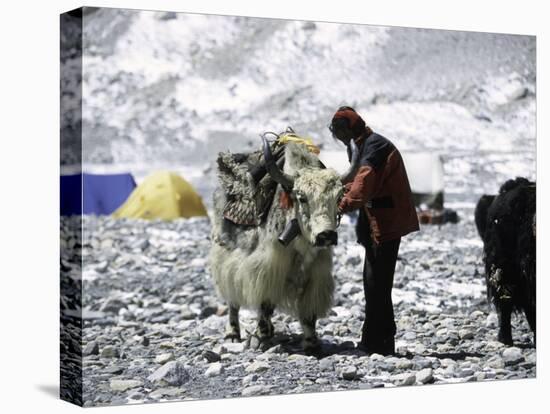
172	350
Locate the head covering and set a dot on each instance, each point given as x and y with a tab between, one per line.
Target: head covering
356	123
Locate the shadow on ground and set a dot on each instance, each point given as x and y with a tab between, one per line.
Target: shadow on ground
49	389
291	344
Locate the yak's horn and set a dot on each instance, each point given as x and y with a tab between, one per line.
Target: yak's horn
273	170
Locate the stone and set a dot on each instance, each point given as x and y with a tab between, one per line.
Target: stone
419	349
442	332
329	329
476	314
250	378
109	352
490	374
91	348
296	357
211	356
164	358
404	364
480	376
445	362
422	363
102	267
465	334
425	376
512	356
169	391
136	395
255	390
349	288
326	364
465	372
114	370
215	369
404	379
349	373
385	366
491	321
277	349
253	342
123	385
376	357
167	345
208	311
233	347
257	366
113	305
171	373
409	336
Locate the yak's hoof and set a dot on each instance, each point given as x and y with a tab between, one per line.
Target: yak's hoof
265	330
505	339
233	336
255	341
311	345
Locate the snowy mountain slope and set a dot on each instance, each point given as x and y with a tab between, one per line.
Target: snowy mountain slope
172	90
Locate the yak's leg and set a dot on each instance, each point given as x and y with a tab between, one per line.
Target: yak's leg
261	338
316	298
531	315
233	328
504	312
265	328
310	341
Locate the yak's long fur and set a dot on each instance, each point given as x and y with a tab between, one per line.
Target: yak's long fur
251	267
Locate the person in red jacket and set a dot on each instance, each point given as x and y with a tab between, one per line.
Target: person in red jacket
381	192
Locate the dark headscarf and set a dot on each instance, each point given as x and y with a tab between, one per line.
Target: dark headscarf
354	121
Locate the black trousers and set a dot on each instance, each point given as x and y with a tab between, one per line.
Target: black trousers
379	326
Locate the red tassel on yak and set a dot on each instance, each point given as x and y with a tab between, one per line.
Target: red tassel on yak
285	201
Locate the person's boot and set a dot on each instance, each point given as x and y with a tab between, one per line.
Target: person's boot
388	346
384	347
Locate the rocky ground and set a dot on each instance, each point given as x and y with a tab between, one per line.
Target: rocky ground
153	326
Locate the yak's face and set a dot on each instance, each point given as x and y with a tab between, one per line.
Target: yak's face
316	194
315	190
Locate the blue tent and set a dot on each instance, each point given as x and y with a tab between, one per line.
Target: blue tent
100	194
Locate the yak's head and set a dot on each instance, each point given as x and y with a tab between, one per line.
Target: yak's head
315	191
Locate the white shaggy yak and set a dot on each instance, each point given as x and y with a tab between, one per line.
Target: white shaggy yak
252	268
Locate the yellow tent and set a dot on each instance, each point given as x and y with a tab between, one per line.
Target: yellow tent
164	195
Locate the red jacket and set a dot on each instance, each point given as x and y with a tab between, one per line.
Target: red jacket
381	187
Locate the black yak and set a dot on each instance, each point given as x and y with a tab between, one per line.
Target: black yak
506	224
